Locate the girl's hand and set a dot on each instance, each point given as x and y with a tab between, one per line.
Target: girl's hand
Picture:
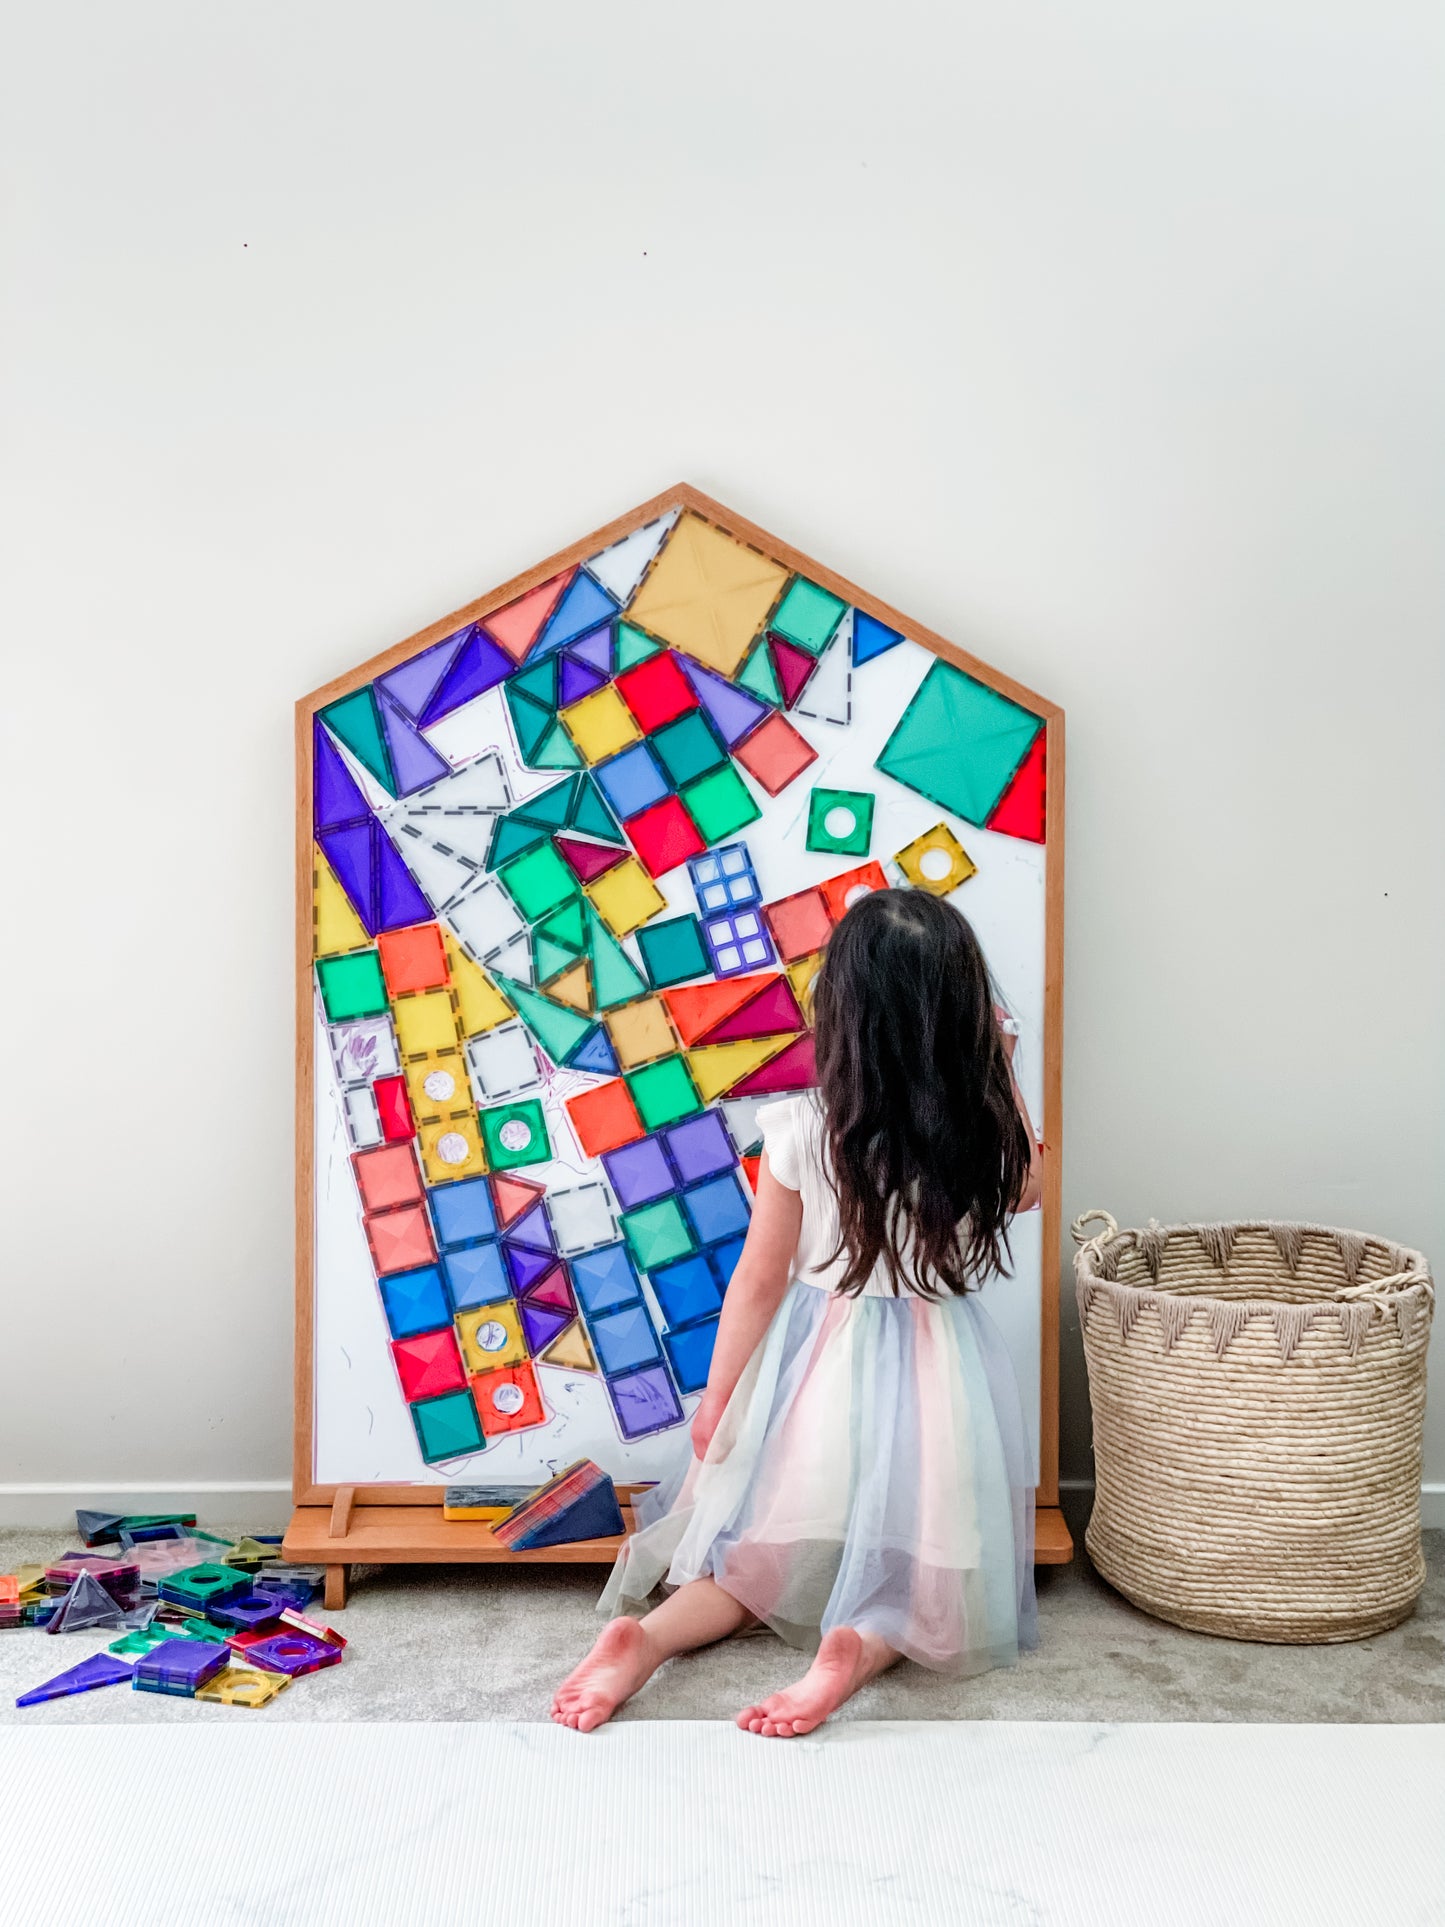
1008	1031
705	1422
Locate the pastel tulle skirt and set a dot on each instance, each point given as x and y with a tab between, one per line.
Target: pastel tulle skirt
870	1471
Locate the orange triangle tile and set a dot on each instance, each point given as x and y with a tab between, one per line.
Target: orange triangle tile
513	1196
698	1008
518	626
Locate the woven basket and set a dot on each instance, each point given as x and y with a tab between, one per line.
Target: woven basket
1258	1394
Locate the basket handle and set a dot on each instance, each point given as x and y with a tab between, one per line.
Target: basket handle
1375	1291
1111	1227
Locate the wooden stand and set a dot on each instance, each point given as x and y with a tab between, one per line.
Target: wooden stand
354	1533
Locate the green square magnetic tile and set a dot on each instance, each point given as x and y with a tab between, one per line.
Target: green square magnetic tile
673	951
807	615
688	748
515	1134
538	882
351	986
447	1426
959	743
657	1233
840	822
663	1092
720	804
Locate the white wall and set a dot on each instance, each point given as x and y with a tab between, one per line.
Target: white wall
1103	338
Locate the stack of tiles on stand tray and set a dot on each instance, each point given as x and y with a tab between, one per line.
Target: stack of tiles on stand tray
199	1617
579	1503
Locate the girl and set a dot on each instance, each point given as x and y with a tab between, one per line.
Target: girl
859	1480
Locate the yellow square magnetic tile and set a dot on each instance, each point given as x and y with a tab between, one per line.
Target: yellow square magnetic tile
491	1336
707	594
425	1022
625	896
640	1032
243	1686
600	725
438	1086
451	1149
936	861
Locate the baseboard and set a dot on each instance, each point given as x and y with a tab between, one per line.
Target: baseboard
257	1505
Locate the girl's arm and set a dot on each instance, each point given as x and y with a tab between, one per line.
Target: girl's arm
754	1294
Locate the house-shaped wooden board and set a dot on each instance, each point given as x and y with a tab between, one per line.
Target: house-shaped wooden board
566	863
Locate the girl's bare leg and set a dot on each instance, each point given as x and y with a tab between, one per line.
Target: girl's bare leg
845	1661
629	1651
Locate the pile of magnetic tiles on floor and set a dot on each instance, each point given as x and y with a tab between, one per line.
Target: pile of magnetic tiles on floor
460	932
199	1617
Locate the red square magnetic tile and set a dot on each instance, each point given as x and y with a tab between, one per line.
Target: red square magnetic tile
800	924
665	835
400	1240
656	691
387	1176
774	753
604	1117
841	893
429	1365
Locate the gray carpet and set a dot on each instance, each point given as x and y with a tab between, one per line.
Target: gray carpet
489	1643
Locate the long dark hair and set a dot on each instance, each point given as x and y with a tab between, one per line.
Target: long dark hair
928	1154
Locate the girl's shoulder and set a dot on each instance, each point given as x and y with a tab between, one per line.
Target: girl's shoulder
792	1130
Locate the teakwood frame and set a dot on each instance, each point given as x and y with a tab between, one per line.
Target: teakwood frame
339	1526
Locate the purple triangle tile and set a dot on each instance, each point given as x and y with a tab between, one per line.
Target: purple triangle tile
732	710
102	1669
541	1324
576	680
414	763
335	796
398	900
479	666
526	1266
412	685
595	649
533	1229
349	852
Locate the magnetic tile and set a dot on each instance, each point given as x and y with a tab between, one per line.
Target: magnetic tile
633	781
871	638
571	1350
515	1134
412	958
640	1032
656	691
503	1063
716	1208
840	893
689	1352
775	753
415	1301
447	1427
959	743
428	1364
657	1233
793	667
491	1336
720	804
425	1021
686	748
604	1279
581	1217
387	1176
792	1069
624	1340
666	835
936	861
508	1400
363	1050
644	1402
451	1148
687	1289
800	924
622	566
363	1120
515	1199
639	1172
840	821
557	1028
737	942
475	1274
400	1240
485	919
601	725
625	897
724	879
768	1011
1021	810
699	1147
723	1259
394	1109
438	1086
718	1069
828	696
335	926
462	1212
672	951
663	1092
707	594
807	615
538	882
527	1269
351	986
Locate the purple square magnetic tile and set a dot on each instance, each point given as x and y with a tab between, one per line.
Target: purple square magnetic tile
644	1402
292	1653
179	1665
249	1613
639	1172
700	1146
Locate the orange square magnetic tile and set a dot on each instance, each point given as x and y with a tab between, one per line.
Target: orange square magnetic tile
413	959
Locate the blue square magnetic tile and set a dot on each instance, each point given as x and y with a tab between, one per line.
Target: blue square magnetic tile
724	1260
462	1211
633	781
604	1278
415	1301
476	1275
700	1146
687	1290
639	1172
624	1339
716	1208
690	1354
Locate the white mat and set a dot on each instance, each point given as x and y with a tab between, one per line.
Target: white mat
682	1824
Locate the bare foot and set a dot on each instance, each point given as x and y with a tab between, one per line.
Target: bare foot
845	1661
618	1664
